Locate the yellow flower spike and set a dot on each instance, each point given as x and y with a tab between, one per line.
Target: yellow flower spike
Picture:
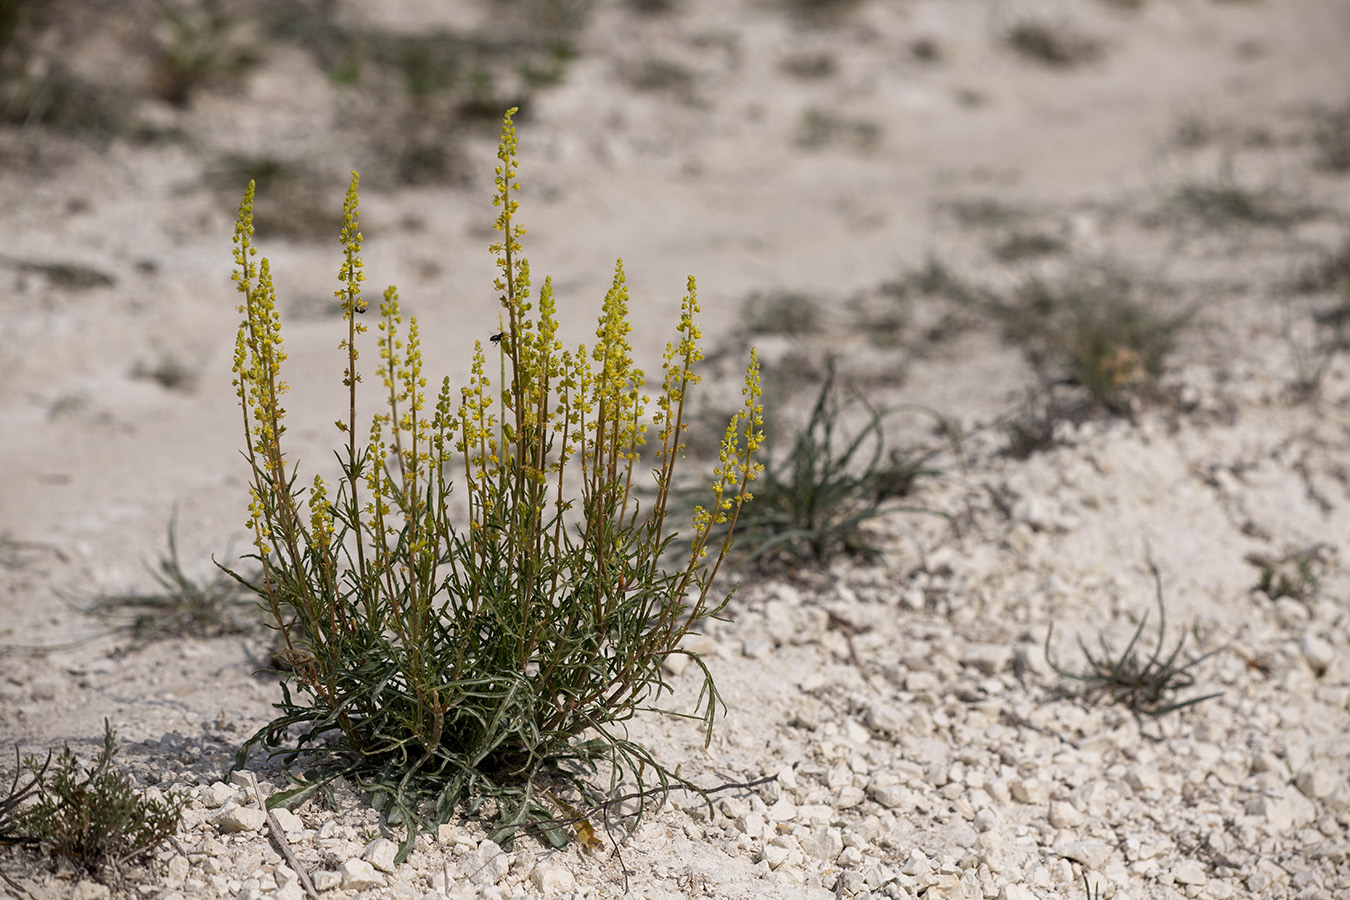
350	273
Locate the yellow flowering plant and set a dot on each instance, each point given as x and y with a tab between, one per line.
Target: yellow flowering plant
444	664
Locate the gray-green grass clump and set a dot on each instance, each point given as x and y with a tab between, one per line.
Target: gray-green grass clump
488	668
182	606
814	502
1148	685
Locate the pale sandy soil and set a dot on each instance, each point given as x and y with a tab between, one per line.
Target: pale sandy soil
761	152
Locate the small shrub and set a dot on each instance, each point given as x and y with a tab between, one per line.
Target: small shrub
1221	202
1330	273
1089	330
296	202
653	6
983	212
787	313
809	66
936	279
665	76
813	503
816	11
1021	245
1146	686
490	665
196	47
1035	426
1296	575
1315	344
1052	44
169	371
820	129
92	818
1331	135
926	50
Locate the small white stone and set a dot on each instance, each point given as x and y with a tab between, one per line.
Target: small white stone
1317	652
752	823
823	844
985	820
919	682
358	875
1318	780
891	796
1283	809
850	858
989	659
289	821
91	890
177	871
291	890
1063	814
775	855
1092	854
380	853
242	778
217	794
1188	871
756	648
240	818
551	879
849	797
486	865
1031	790
885	718
733	807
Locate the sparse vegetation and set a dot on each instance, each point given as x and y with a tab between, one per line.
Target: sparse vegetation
982	212
297	202
665	76
1052	44
823	10
196	46
809	66
1147	686
1022	245
1035	426
1331	135
169	371
1297	575
784	312
926	50
92	818
1221	202
1091	330
821	129
936	279
182	607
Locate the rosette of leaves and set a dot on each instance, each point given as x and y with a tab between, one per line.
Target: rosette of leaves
493	666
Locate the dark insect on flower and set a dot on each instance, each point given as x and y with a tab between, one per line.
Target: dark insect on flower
497	338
